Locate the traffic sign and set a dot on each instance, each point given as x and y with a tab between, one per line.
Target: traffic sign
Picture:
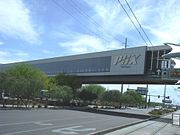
167	101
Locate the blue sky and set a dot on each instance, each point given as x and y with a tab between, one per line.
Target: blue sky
35	29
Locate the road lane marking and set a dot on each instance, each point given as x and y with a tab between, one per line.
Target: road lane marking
45	128
31	122
73	130
43	124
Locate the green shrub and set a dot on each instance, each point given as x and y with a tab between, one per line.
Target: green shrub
156	112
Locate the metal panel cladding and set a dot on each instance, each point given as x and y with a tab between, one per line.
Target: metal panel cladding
128	61
77	66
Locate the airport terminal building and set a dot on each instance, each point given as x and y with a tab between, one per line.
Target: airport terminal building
131	65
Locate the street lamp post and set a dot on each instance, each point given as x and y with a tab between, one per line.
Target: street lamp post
164	95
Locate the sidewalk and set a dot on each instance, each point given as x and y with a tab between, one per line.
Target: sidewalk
161	126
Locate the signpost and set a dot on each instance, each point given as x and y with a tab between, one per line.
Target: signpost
142	90
167	101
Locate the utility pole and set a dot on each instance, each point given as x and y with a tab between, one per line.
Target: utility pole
125	46
149	100
125	43
146	96
121	89
164	95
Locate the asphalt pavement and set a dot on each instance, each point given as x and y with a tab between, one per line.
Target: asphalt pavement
57	122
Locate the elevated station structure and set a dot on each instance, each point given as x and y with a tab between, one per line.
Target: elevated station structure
138	65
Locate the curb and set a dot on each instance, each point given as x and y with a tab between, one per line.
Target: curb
102	132
122	114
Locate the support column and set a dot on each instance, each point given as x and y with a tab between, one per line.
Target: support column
121	89
146	96
164	95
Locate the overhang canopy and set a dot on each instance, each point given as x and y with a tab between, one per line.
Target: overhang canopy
175	51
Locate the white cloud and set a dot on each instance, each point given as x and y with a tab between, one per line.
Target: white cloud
1	43
13	56
159	19
113	21
16	21
2	54
21	54
4	57
47	52
88	43
113	24
107	14
166	27
83	44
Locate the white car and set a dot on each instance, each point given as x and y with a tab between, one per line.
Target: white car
157	107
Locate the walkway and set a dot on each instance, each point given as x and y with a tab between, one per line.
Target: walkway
161	126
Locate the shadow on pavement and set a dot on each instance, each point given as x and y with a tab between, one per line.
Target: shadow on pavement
164	120
122	114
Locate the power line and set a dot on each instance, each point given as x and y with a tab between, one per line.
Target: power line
82	12
152	55
132	22
69	13
138	22
84	26
142	31
92	20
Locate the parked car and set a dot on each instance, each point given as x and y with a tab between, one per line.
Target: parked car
157	107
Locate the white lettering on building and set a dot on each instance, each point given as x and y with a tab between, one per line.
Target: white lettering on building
126	59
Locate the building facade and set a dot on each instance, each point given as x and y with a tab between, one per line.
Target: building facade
108	66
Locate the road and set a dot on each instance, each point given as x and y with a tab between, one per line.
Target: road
56	122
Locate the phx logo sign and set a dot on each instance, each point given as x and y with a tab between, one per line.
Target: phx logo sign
126	60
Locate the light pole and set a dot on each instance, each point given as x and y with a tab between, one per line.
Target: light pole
125	46
146	96
164	95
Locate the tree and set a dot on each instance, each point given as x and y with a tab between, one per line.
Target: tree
63	94
26	81
4	86
132	98
67	95
69	80
96	89
112	97
87	95
91	92
3	80
28	72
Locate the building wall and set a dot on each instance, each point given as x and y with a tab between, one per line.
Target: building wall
118	62
154	59
87	65
129	61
